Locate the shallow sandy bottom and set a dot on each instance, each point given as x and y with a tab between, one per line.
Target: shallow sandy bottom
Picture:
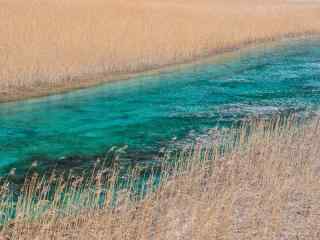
53	46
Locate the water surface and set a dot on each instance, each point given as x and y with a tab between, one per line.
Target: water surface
148	113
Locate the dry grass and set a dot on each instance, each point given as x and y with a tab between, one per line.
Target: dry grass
267	187
53	45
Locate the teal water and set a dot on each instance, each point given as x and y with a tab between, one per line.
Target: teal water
152	112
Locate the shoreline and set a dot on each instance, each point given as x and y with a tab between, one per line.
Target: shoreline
185	189
52	47
95	80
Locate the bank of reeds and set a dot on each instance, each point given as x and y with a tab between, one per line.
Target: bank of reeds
261	181
50	46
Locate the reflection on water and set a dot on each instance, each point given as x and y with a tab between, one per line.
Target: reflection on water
151	112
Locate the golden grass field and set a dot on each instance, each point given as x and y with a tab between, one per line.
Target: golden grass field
49	46
266	187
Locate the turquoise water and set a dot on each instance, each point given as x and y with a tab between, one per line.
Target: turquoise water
148	113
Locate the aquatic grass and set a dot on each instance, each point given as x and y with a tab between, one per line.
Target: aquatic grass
71	192
263	184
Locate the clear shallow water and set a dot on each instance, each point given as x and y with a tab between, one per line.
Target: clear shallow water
147	112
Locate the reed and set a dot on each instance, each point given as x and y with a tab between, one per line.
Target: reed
259	181
51	46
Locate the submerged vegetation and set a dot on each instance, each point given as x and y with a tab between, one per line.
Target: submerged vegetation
259	181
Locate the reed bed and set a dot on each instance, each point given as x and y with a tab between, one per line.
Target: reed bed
260	181
54	45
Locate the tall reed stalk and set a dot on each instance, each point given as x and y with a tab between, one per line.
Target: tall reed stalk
259	181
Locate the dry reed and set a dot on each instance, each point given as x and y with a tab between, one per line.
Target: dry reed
53	45
260	182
